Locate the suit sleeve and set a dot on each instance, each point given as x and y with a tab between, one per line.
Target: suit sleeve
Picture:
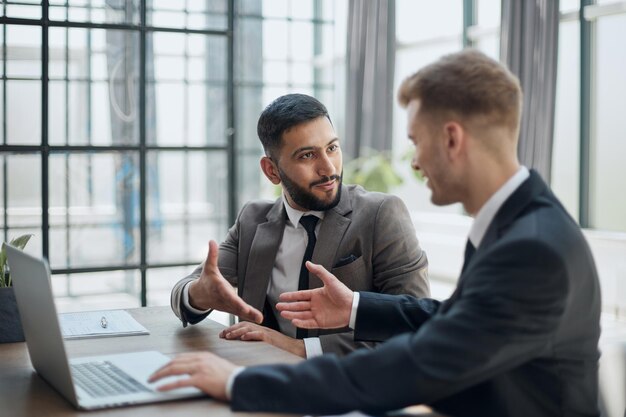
399	266
227	262
507	314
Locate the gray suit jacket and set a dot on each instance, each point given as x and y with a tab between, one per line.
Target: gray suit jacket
374	228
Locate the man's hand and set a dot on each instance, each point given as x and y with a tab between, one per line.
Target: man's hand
206	371
253	332
328	307
212	290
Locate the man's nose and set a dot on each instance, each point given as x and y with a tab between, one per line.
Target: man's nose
414	163
325	166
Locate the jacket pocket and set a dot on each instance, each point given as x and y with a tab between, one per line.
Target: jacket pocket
354	275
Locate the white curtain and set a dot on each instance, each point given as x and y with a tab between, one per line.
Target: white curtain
528	46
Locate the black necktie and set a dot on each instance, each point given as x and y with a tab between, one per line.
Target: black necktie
469	252
308	222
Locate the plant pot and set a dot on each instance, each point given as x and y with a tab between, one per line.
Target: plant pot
10	323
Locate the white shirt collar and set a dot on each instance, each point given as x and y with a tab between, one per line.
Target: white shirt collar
488	211
295	215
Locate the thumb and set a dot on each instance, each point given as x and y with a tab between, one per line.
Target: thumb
318	270
211	259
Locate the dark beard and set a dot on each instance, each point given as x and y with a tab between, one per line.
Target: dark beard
307	200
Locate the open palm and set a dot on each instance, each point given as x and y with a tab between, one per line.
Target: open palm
327	307
212	290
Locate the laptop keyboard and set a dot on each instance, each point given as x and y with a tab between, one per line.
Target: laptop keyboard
103	379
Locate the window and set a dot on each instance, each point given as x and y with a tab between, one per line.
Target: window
589	146
108	156
128	135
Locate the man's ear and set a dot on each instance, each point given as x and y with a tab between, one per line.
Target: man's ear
270	169
455	139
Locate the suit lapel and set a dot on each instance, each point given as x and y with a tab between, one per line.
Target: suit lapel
528	191
517	202
330	235
263	255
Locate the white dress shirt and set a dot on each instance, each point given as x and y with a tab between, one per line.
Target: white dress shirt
481	223
285	273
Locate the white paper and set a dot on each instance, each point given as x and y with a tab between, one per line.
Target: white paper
91	324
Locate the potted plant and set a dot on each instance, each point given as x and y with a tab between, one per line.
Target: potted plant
10	324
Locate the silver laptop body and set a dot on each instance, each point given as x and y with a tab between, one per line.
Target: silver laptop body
33	292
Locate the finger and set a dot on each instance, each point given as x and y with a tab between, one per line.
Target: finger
300	315
182	360
294	306
255	335
247	312
233	327
180	383
304	295
305	324
237	333
211	259
321	272
172	368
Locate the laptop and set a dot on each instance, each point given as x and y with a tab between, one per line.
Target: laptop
101	381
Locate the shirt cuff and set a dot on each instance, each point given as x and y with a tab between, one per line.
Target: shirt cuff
187	304
231	381
312	347
355	307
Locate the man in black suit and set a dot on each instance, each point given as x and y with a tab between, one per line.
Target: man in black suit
519	335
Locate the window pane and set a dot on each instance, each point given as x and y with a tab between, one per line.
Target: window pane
23	112
186	99
275	39
609	147
161	280
94	198
28	9
94	89
249	107
23	197
95	11
248	50
23	51
488	13
418	20
488	21
96	291
275	8
189	14
566	147
569	5
301	9
187	203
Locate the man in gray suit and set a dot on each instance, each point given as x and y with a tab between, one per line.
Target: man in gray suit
365	239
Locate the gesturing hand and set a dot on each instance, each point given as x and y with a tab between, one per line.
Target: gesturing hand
327	307
212	290
206	371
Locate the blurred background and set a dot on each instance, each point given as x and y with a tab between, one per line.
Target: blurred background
128	128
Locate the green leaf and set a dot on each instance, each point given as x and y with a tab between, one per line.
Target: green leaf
3	260
19	242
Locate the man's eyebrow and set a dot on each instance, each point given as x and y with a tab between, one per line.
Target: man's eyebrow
311	148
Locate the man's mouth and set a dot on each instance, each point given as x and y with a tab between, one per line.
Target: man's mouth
327	186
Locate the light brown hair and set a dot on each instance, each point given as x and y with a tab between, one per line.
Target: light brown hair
467	85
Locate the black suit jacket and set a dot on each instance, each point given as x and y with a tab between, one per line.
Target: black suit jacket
518	337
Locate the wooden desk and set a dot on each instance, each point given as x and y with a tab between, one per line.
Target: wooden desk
24	394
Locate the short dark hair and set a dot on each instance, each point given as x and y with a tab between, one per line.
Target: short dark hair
284	113
468	84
